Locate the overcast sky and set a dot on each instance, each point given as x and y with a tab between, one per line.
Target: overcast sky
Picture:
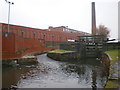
75	14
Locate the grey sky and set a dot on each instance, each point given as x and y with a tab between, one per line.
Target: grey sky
75	14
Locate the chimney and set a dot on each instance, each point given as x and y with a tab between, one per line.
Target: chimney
93	19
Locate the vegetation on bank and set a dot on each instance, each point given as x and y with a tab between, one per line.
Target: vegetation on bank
60	51
112	84
19	62
114	55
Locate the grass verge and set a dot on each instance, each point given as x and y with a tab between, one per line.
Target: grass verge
60	51
112	84
114	54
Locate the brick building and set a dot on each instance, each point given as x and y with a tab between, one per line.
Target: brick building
22	40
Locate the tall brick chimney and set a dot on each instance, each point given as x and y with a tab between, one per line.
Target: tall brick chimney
93	19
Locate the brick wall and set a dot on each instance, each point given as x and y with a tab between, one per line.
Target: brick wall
23	40
15	46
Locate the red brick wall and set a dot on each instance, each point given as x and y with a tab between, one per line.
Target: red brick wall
56	29
0	41
8	43
22	40
15	46
55	33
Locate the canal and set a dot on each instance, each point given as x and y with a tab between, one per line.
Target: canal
87	73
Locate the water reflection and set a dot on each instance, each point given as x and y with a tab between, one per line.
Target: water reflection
55	74
89	72
11	76
94	75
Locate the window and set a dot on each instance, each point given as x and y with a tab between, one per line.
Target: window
34	35
63	29
22	34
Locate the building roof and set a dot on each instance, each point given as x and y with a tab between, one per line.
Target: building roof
114	41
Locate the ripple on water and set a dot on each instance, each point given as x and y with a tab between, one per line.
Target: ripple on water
54	74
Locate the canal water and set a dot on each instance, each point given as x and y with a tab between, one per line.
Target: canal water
87	73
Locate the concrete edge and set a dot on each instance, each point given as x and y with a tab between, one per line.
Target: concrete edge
108	56
112	80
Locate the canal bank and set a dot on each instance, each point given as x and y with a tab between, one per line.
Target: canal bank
28	59
63	55
25	60
114	72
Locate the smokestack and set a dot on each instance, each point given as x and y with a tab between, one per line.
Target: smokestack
93	19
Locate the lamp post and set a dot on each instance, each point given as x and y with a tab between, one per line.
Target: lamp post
10	3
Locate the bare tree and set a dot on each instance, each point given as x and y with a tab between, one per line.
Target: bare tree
102	30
